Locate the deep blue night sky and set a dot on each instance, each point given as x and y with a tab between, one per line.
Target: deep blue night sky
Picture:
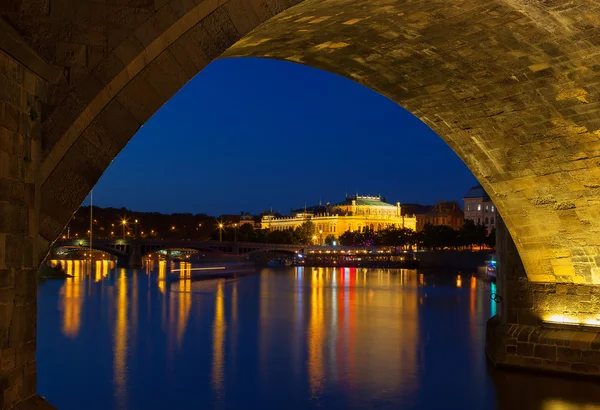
254	134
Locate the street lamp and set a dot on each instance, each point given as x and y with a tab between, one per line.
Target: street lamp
235	232
220	232
320	237
124	223
314	238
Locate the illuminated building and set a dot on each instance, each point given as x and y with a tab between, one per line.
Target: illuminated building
479	208
356	213
446	213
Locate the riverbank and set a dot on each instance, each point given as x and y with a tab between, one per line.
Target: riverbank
452	259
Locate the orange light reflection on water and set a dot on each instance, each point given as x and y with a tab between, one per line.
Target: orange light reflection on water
219	327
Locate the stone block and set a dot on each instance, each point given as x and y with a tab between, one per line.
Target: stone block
544	352
242	15
525	349
13	218
10	91
192	49
28	352
14	251
524	334
568	354
12	392
9	116
580	368
7	278
590	357
29	379
8	361
143	109
19	325
595	344
582	340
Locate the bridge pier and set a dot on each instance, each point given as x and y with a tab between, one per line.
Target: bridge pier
135	259
541	326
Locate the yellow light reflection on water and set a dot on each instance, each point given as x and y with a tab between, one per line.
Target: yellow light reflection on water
101	269
120	341
72	300
162	276
315	336
185	303
219	326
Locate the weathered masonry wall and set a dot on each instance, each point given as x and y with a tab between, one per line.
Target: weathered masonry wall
21	95
524	333
512	86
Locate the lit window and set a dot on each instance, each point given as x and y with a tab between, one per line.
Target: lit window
492	208
468	207
487	208
479	207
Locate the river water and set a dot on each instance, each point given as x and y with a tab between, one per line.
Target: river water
284	338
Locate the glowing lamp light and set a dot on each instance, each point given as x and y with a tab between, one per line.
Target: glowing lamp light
572	321
334	243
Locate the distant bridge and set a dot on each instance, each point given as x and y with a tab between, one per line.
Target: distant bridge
124	247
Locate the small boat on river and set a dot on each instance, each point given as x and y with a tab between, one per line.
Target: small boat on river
202	266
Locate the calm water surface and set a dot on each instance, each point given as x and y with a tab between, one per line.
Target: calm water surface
286	338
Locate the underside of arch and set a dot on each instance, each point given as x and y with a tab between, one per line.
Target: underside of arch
510	86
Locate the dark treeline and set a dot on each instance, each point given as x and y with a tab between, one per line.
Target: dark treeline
108	222
302	235
433	237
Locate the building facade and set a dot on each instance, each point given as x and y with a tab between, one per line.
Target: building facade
446	213
419	212
355	213
479	208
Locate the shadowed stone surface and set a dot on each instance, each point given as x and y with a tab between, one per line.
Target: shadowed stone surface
513	86
20	93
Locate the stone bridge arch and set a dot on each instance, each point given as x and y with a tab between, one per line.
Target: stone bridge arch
106	249
511	85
